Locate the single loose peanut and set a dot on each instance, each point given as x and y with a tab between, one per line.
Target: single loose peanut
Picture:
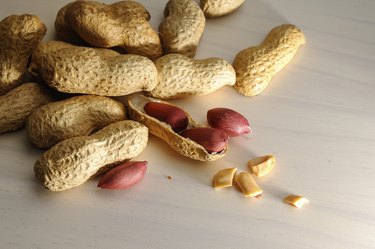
73	161
172	115
183	146
76	69
76	116
296	200
182	27
123	176
19	36
261	166
17	104
230	121
224	178
256	66
213	140
247	184
122	24
181	76
218	8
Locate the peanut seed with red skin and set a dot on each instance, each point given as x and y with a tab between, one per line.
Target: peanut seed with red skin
213	140
169	114
123	176
230	121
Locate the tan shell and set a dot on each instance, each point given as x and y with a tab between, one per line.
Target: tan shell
121	24
74	69
74	160
19	36
218	8
256	66
19	103
182	27
76	116
181	76
183	146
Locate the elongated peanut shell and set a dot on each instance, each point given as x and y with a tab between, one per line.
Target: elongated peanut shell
17	104
76	116
183	146
122	24
182	27
181	76
74	69
19	36
256	66
218	8
73	161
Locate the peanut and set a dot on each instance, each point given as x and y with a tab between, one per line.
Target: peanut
182	27
261	166
213	140
123	176
172	115
122	24
230	121
73	161
218	8
20	35
296	200
17	104
181	76
183	146
74	69
247	184
256	66
224	178
76	116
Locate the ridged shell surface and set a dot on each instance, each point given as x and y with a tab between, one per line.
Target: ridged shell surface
218	8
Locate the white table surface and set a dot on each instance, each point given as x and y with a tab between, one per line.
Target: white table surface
317	117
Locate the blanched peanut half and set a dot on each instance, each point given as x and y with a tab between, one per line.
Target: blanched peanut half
76	116
182	145
224	178
296	200
261	166
256	66
181	76
73	161
246	183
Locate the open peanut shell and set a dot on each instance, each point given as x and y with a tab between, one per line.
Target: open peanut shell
183	146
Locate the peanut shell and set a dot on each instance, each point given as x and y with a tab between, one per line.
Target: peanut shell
74	69
76	116
17	104
19	36
218	8
183	146
73	161
256	66
182	27
181	76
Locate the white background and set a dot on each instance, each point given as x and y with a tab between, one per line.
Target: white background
317	117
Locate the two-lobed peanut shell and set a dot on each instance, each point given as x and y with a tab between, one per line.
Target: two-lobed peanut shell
181	76
75	69
17	105
256	66
76	116
121	24
182	27
73	161
19	36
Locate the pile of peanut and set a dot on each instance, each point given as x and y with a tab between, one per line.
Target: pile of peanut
89	134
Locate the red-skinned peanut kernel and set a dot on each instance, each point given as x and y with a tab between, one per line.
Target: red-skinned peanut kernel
230	121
